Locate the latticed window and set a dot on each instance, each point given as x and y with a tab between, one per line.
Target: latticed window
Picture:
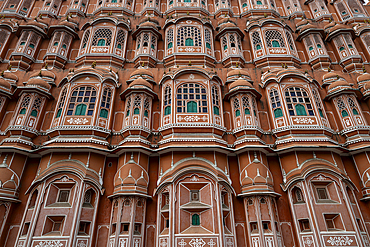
257	42
61	102
366	39
170	39
85	39
342	9
215	100
102	37
146	40
24	105
290	41
224	43
23	39
349	41
105	103
246	105
339	43
237	107
318	102
82	101
274	38
167	100
4	35
36	107
120	41
128	107
192	98
298	102
353	106
342	107
276	103
355	7
208	38
254	104
146	107
66	41
153	42
195	220
318	41
189	36
137	105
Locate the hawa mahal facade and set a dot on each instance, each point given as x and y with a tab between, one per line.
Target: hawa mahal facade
184	123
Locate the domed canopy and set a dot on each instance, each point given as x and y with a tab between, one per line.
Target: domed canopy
240	83
367	86
302	23
44	73
141	72
141	82
37	81
4	83
331	76
339	84
363	78
238	72
148	24
9	75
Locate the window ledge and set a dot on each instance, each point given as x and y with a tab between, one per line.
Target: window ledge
327	201
60	205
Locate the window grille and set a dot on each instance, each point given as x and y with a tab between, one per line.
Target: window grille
66	41
120	42
275	103
246	105
167	100
366	39
215	101
290	41
192	98
318	102
257	43
153	42
170	38
24	105
128	107
102	34
61	102
36	107
342	107
137	104
82	101
208	38
355	7
274	35
146	40
146	107
85	39
236	107
298	102
353	106
3	37
189	36
105	103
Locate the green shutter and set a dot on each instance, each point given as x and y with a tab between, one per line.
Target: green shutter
189	42
247	111
195	221
146	113
344	113
170	45
300	110
80	110
278	113
275	43
34	113
104	113
225	47
101	42
136	111
208	45
167	110
355	112
59	112
321	114
237	113
23	111
216	110
128	113
192	107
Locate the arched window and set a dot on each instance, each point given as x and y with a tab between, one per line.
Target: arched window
275	103
207	38
137	105
170	39
353	106
297	195
24	105
257	42
298	102
290	41
192	92
120	41
189	36
102	37
128	107
36	107
146	107
195	220
215	101
146	40
342	107
274	39
246	105
318	102
167	101
237	107
105	103
85	39
82	101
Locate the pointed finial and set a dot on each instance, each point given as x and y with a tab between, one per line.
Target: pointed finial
314	155
142	174
258	172
100	172
5	159
246	174
70	156
368	176
12	178
161	173
256	160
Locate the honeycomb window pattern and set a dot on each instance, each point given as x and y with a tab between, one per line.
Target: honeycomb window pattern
191	98
189	36
82	101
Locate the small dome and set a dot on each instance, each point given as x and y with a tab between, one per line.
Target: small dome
240	83
367	86
141	72
340	83
37	81
302	23
43	73
228	24
363	78
247	181
141	82
4	83
331	76
148	24
9	75
238	73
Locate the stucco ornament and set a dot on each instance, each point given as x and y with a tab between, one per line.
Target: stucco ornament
197	242
77	121
51	243
340	241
